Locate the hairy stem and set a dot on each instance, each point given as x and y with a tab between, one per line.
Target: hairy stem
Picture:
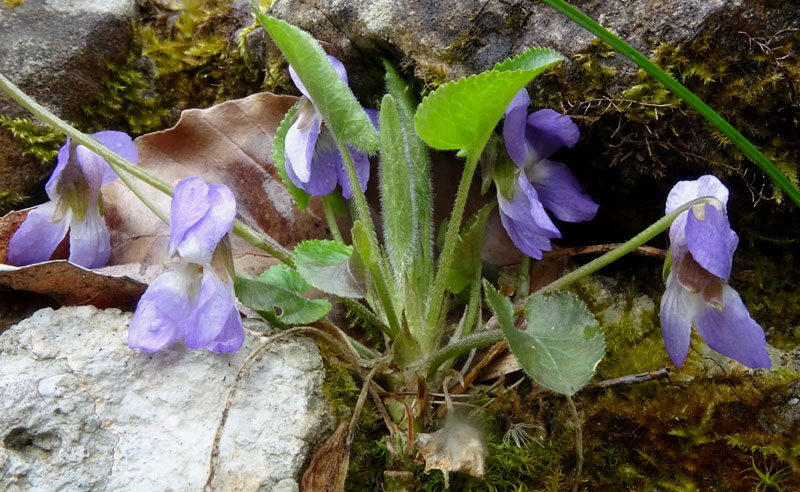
436	292
646	235
330	216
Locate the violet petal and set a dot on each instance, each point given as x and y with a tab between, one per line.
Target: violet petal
300	142
733	333
200	239
361	163
89	244
526	221
550	130
55	176
337	65
93	168
37	237
163	310
514	128
686	191
560	192
119	143
711	241
324	167
678	309
190	203
211	325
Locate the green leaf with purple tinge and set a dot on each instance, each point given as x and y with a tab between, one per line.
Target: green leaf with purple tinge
561	344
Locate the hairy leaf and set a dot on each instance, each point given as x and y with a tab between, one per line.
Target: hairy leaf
462	114
467	262
417	152
399	222
562	343
278	291
327	266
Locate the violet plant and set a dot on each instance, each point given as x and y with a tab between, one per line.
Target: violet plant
397	282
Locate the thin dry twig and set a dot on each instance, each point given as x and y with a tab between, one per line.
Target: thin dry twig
630	379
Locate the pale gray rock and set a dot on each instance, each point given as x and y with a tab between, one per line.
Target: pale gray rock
58	52
79	410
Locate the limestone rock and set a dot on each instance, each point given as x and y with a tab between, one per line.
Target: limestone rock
81	411
58	53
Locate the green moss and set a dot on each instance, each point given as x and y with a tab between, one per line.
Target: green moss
126	100
176	61
674	437
629	318
466	43
38	141
644	131
432	76
194	65
10	200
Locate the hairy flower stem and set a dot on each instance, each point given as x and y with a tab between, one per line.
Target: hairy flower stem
485	338
330	216
682	92
436	292
376	269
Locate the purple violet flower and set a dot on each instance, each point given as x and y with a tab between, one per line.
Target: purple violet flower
541	183
196	300
697	294
313	162
74	206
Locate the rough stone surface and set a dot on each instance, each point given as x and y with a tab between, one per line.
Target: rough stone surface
81	411
58	53
461	37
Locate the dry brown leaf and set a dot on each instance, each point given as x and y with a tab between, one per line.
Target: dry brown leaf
71	285
228	143
9	224
457	447
328	468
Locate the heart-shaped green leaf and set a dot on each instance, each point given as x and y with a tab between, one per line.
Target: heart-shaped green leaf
334	100
462	114
326	265
562	343
278	292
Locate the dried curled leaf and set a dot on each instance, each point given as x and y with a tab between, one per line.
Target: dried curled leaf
457	447
328	469
72	285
